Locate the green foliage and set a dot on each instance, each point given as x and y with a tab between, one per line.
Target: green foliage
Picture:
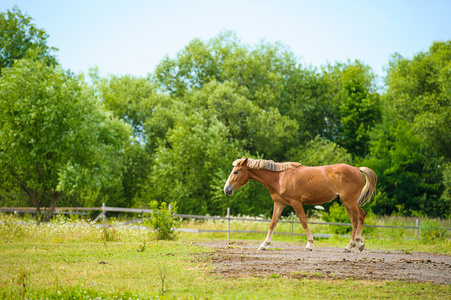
337	214
162	221
187	163
56	140
130	98
319	152
20	37
411	144
268	75
247	123
359	108
419	93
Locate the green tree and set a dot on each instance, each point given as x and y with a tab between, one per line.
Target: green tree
419	92
134	100
268	75
356	105
55	139
411	147
18	36
320	152
130	98
188	161
254	129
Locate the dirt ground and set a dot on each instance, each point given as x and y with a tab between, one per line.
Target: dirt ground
238	259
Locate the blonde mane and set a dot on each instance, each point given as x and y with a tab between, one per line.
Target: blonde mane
262	164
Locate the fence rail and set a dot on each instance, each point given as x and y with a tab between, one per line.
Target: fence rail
104	209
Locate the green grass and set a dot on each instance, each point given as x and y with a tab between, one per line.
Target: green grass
61	261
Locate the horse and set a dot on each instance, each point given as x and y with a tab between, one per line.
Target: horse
291	183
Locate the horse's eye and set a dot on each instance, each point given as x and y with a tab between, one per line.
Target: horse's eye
236	172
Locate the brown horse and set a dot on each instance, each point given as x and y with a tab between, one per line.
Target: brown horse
293	184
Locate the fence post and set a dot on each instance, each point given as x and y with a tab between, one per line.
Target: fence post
291	234
228	223
418	226
103	214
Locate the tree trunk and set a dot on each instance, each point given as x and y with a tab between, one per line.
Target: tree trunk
32	195
55	198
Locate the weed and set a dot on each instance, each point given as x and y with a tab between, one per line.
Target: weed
23	282
110	234
163	274
142	248
162	221
300	273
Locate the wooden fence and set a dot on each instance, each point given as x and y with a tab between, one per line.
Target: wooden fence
104	209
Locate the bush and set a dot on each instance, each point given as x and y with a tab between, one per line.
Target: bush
337	214
162	221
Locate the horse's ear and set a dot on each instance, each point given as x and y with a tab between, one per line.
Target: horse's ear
244	162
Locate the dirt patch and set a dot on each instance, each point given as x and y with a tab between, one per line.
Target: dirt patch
238	259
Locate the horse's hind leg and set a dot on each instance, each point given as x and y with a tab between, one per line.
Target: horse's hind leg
358	237
278	208
357	216
299	209
354	222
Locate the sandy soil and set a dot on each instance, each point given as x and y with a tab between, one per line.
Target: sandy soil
238	259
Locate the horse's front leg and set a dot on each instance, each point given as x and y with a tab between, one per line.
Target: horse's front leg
299	209
278	208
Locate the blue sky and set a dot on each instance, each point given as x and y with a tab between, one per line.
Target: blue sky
131	37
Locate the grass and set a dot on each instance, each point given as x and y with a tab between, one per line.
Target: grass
62	261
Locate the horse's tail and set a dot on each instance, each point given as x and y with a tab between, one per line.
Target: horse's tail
370	185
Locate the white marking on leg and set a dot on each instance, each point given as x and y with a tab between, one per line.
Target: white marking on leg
278	208
264	246
309	246
349	247
267	242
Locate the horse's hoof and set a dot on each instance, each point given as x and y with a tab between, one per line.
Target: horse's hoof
361	247
263	247
346	250
308	249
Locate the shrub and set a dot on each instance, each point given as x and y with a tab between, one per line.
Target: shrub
162	221
337	214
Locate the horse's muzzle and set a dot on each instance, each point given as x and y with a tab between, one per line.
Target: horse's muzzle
228	190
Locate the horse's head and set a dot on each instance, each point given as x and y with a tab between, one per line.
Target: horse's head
238	177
